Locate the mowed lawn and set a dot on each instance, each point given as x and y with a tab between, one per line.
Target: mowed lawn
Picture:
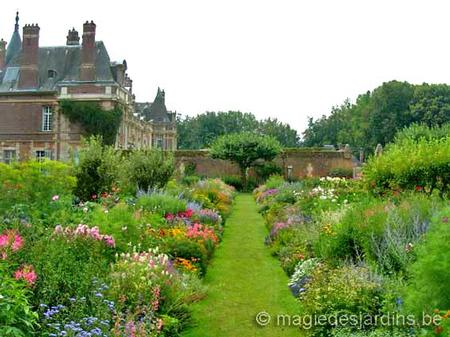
243	280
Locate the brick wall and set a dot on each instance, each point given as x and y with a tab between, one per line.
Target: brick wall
304	162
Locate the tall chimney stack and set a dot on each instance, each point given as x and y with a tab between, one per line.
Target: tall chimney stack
88	52
30	55
2	54
72	38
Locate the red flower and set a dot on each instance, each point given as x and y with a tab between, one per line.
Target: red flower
419	188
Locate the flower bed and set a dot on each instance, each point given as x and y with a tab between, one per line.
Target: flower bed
350	254
115	265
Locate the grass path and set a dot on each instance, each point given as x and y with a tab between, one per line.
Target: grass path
243	280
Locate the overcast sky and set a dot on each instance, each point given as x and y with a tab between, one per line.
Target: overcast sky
280	58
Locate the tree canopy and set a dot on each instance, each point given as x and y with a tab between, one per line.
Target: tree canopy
245	149
201	131
376	116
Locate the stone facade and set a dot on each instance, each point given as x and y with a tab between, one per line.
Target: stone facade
33	80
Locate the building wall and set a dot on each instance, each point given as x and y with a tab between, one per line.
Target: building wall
21	127
304	162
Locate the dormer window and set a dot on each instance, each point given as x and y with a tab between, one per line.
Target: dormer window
51	73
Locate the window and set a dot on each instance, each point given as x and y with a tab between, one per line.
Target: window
47	118
42	154
9	156
52	73
158	142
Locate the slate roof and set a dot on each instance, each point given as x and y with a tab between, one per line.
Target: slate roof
155	111
64	61
15	44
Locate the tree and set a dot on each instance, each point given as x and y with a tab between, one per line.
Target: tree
245	149
377	116
201	131
148	169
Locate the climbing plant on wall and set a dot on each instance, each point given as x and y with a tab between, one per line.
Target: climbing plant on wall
94	119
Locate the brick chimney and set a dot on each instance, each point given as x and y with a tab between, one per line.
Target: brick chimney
72	38
2	54
30	54
88	52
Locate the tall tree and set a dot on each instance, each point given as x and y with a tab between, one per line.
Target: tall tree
245	149
200	131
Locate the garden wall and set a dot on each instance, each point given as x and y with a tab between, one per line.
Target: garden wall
301	162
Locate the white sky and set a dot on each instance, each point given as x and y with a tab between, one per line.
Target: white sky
281	58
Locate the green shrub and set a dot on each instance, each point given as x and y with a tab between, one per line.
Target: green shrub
120	222
411	163
97	170
190	180
66	267
428	284
161	203
274	181
266	169
380	232
34	184
187	249
348	290
16	315
149	169
341	172
234	181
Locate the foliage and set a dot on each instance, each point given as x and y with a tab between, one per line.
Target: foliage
161	203
67	265
17	318
266	169
97	170
427	289
348	290
245	149
235	181
341	172
202	130
95	120
150	169
34	184
414	164
376	116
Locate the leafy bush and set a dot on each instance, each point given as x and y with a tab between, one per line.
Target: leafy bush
274	181
150	169
348	290
266	169
428	286
34	183
97	171
421	164
161	203
16	315
341	172
234	181
66	265
382	232
190	180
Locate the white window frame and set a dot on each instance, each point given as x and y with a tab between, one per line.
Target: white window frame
47	118
43	154
11	157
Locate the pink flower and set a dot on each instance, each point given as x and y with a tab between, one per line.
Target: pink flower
109	240
18	243
26	273
11	239
4	240
58	229
55	198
